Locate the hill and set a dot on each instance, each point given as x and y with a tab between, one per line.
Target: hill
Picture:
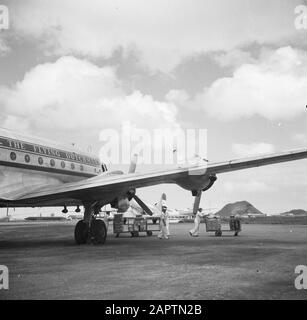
241	208
295	212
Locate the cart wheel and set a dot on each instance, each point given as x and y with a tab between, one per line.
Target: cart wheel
149	233
218	233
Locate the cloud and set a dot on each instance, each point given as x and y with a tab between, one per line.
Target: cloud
247	186
274	87
4	48
233	58
179	97
253	149
75	94
163	32
300	137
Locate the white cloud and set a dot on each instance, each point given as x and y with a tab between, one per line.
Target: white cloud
253	149
234	58
4	48
163	32
179	97
76	94
300	137
274	87
247	186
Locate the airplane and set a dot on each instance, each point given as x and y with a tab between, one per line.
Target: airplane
35	172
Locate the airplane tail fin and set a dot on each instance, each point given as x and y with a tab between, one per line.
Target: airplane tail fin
162	201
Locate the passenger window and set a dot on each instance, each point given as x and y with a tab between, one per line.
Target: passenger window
13	156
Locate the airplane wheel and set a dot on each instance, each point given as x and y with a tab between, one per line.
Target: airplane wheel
81	232
98	232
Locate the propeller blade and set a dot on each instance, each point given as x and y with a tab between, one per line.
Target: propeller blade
142	205
197	202
133	163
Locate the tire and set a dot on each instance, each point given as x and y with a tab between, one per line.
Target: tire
98	232
149	233
81	232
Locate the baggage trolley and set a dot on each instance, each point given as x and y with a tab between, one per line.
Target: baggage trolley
214	225
134	225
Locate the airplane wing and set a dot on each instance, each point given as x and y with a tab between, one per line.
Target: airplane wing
106	187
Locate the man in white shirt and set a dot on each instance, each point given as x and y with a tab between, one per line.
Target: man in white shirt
195	231
163	228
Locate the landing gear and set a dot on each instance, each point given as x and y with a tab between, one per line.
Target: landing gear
90	229
81	232
98	232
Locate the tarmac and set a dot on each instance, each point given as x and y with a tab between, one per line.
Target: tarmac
45	263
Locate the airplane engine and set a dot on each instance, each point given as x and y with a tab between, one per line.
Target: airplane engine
123	204
198	182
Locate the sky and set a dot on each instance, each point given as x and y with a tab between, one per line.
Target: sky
70	69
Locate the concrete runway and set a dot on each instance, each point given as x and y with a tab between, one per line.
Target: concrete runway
44	263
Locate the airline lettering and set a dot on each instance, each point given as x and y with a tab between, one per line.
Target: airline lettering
42	150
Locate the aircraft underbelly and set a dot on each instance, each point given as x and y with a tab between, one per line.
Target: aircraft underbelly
16	182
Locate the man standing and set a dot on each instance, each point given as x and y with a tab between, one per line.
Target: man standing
163	229
167	222
195	231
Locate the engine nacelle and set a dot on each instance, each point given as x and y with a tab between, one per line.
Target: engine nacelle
197	182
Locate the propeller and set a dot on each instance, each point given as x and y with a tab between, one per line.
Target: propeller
142	205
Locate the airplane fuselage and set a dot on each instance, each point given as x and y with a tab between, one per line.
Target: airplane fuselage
28	163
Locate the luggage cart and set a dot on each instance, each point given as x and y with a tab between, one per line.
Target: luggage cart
135	225
214	225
